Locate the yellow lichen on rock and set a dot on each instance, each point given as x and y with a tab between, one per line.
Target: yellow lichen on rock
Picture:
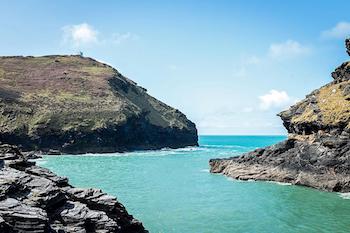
334	106
308	115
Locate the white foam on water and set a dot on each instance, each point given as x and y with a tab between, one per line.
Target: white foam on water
205	170
228	146
151	153
252	180
279	183
189	148
231	179
40	161
344	195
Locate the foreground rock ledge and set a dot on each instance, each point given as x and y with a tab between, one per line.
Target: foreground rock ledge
317	151
33	199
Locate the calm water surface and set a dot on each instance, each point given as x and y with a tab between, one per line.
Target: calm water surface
173	191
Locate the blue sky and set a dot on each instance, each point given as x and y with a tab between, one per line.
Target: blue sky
230	66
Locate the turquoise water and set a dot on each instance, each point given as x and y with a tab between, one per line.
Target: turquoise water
173	191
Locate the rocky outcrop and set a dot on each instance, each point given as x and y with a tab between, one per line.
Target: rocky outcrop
74	104
317	151
33	199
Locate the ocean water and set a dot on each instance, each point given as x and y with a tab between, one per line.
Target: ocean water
172	191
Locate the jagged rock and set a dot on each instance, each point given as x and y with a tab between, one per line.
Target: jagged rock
292	161
317	151
96	199
33	199
23	218
79	218
347	45
74	104
31	155
46	173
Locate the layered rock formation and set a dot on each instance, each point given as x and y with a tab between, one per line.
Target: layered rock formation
317	151
33	199
76	105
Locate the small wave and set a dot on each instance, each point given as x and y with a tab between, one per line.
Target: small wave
40	161
152	153
189	148
227	146
231	179
344	195
239	181
279	183
205	170
128	154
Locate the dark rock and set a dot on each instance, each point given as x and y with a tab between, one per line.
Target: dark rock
346	90
33	199
23	218
342	73
32	155
347	45
317	151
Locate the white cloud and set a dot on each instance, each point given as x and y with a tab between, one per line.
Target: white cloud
274	99
339	31
287	49
80	35
118	38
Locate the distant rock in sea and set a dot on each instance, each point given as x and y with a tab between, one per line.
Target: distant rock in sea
317	151
74	104
33	199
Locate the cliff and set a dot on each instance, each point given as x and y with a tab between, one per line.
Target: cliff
317	151
76	105
33	199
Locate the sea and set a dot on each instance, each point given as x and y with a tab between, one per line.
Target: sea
172	190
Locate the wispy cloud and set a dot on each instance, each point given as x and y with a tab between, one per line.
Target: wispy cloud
173	67
248	109
275	99
118	38
288	49
340	31
276	52
243	68
82	35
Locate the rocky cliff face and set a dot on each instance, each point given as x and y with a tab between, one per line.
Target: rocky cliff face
33	199
317	151
78	105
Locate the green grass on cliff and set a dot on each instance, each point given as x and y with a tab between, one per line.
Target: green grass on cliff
73	93
61	93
